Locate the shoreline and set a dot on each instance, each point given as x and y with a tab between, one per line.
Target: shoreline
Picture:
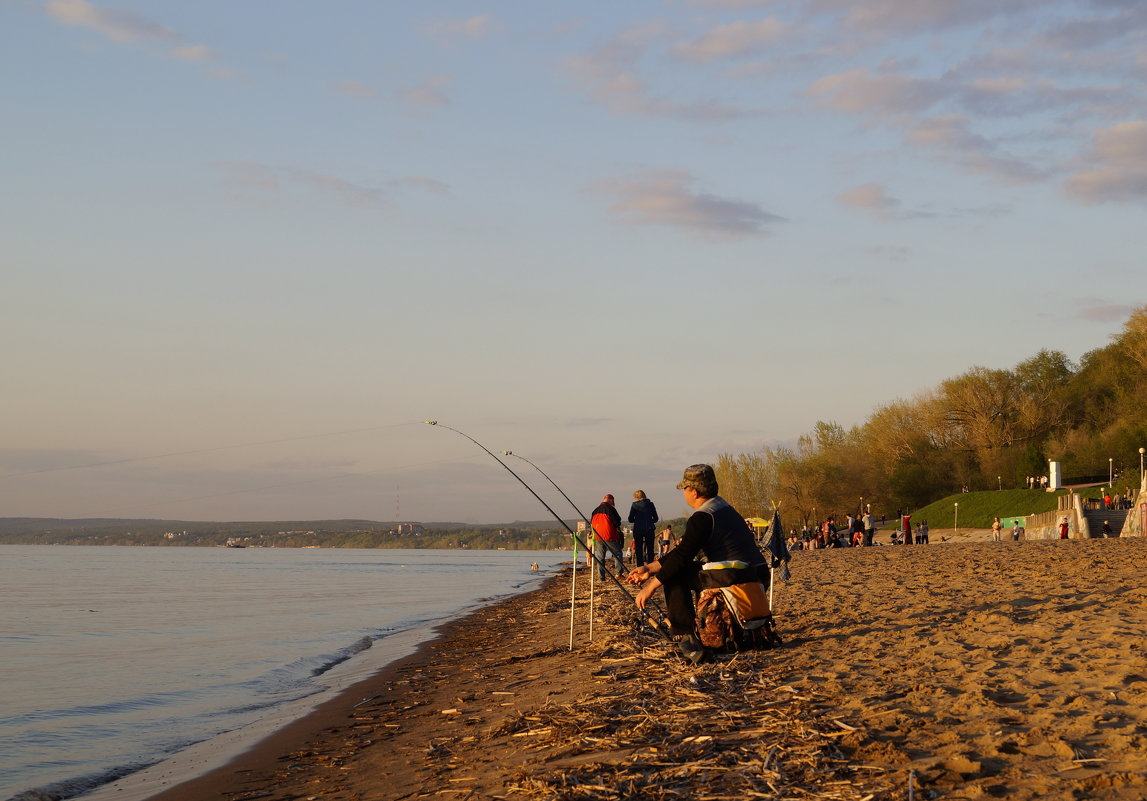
262	739
976	671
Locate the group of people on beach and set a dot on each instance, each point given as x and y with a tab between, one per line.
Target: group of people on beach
858	531
609	538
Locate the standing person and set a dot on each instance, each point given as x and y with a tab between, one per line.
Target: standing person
720	532
664	541
1016	530
996	526
906	527
606	524
1106	529
869	528
923	539
1063	529
643	516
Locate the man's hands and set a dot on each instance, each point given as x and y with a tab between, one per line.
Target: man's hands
640	575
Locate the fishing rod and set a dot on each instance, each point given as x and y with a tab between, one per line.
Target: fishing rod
600	561
581	514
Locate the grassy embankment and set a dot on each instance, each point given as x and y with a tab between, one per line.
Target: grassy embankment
976	509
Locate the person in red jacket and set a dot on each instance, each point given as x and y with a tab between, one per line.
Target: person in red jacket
606	524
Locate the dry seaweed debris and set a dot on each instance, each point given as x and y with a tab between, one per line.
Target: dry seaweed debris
653	727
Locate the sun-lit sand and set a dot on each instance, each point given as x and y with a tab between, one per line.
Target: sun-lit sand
971	669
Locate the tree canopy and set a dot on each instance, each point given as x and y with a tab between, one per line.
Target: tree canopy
983	429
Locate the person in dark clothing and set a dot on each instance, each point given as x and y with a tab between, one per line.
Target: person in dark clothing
643	516
606	524
721	533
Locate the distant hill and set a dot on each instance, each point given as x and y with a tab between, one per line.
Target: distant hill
280	533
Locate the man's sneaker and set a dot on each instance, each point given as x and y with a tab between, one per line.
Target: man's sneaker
690	647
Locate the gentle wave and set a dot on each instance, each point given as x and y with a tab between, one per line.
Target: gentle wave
206	644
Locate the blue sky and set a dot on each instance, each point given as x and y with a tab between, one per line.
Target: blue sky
615	238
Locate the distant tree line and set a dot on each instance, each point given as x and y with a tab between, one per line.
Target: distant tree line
981	430
30	531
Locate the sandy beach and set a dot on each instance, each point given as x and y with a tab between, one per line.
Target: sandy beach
969	669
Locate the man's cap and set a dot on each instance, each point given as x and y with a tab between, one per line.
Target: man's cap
698	477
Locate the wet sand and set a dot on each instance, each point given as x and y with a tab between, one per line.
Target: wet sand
972	669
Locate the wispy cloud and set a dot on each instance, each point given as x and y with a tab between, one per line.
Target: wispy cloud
1097	311
262	178
734	40
609	74
950	136
192	53
870	197
860	91
430	95
251	178
669	198
1117	169
126	27
120	26
358	89
476	27
420	182
922	15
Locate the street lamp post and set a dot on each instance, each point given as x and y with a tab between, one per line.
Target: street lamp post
955	517
1141	450
1110	471
1000	479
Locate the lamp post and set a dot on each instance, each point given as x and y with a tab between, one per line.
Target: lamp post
955	517
1000	479
1141	450
1110	471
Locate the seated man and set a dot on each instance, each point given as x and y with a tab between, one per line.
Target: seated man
716	529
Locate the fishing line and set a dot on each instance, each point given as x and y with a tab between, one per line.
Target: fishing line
201	450
581	514
600	562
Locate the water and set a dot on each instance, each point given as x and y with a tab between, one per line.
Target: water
114	658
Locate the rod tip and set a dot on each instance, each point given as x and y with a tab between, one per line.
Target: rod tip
507	453
431	422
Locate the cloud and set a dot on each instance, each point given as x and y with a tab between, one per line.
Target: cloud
667	198
1099	312
869	197
357	89
860	91
120	26
919	15
420	182
192	53
429	95
469	28
609	75
950	135
732	41
262	178
1118	166
730	4
1094	32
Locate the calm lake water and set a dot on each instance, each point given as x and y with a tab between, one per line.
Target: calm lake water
115	658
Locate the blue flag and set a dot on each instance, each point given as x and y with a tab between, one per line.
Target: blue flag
777	547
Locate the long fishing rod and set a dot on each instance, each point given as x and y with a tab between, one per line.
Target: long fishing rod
581	514
600	562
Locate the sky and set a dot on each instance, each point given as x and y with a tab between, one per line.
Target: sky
249	247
